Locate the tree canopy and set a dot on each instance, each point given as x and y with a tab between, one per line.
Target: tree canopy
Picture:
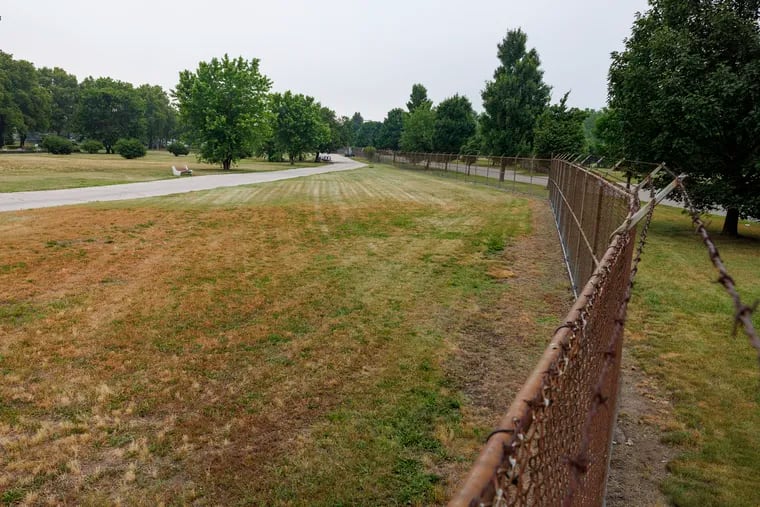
109	110
559	129
390	133
686	91
455	122
64	93
514	99
24	104
160	116
418	98
224	106
298	124
419	127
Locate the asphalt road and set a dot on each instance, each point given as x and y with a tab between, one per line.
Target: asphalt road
14	201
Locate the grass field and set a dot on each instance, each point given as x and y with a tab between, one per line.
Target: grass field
24	172
680	322
332	340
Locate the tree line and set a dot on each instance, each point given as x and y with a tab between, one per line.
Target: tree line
517	118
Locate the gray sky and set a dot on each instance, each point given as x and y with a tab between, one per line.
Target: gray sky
351	55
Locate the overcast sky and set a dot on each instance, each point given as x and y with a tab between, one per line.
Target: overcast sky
351	55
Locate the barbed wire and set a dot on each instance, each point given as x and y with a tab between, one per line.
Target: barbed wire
743	312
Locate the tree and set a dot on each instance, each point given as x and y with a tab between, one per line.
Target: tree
109	110
608	133
559	130
352	128
298	125
336	137
64	93
419	127
24	104
686	91
455	122
514	99
368	133
390	133
225	108
160	116
418	98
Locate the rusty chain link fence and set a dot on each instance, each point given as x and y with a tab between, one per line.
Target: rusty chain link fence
552	447
525	175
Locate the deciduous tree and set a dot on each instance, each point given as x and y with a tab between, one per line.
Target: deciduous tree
390	133
419	127
109	110
64	93
455	122
224	106
298	124
559	129
24	104
160	116
686	91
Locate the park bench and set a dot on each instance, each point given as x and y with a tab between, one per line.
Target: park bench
181	172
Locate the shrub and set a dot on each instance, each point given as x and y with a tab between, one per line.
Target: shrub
130	148
57	145
178	149
91	146
370	153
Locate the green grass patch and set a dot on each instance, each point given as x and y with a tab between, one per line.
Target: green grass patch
28	172
682	320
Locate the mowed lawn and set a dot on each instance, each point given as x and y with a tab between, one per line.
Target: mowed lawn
343	339
32	171
680	323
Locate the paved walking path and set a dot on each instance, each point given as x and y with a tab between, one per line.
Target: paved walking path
14	201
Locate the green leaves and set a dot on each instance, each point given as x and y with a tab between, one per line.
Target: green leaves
685	91
225	108
514	99
298	124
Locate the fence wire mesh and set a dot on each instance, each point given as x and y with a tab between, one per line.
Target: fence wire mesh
525	175
553	445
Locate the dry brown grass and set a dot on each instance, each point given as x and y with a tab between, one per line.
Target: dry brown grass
335	330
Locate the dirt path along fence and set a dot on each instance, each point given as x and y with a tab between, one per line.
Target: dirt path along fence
553	445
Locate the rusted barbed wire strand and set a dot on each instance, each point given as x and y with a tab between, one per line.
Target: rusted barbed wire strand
743	312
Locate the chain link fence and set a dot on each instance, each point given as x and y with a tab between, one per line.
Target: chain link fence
553	445
524	175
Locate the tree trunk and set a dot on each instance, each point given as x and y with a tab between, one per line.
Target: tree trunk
226	163
731	223
22	140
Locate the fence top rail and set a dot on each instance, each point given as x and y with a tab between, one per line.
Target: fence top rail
622	191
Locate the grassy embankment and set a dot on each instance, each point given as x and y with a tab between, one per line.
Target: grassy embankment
320	341
30	171
680	321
